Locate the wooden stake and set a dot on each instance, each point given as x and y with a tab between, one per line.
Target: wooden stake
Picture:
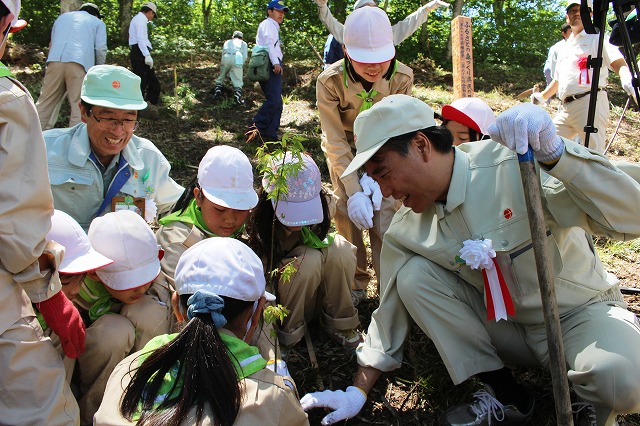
538	227
462	56
175	90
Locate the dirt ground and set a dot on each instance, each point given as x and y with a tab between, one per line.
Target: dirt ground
417	393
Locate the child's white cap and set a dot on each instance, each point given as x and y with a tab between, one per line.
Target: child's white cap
224	266
471	112
225	176
79	256
368	37
126	238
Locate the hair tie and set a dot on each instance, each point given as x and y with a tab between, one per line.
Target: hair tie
205	302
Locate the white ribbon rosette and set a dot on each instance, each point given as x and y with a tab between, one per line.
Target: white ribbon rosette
479	254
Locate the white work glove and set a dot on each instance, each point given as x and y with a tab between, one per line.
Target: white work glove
148	60
345	404
627	84
434	4
537	98
527	125
371	189
360	210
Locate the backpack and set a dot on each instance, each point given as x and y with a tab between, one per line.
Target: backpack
259	65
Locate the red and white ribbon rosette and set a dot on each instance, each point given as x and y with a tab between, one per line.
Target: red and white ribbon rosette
479	254
584	70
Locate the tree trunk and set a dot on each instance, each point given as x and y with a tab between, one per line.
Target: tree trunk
206	12
124	18
457	11
69	5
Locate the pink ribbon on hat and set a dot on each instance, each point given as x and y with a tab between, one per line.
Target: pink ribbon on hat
584	71
479	254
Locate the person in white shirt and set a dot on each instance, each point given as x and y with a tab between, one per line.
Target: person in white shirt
552	56
78	42
267	119
234	55
572	82
140	56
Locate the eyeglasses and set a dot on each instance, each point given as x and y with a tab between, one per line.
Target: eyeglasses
111	123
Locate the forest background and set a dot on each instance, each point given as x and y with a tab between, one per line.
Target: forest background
510	44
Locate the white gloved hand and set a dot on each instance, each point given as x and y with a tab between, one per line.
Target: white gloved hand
434	4
345	404
148	61
537	98
626	81
371	189
527	125
360	210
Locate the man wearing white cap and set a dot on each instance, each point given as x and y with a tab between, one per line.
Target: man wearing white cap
572	82
78	42
116	303
401	30
234	55
33	389
99	165
458	260
140	56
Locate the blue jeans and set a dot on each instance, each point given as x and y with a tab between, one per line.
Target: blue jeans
267	119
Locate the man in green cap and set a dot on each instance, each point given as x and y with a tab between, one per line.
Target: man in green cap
99	165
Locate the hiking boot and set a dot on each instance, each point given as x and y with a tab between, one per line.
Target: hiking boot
485	410
237	93
217	92
350	338
584	414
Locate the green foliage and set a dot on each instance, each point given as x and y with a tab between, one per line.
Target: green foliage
275	314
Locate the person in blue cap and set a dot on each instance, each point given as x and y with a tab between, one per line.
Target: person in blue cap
267	119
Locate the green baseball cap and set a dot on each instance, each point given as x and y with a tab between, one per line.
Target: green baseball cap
112	86
394	115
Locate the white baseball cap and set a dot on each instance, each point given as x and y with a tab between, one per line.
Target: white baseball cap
14	8
224	266
368	37
360	3
79	256
471	112
301	205
394	115
126	238
225	176
151	6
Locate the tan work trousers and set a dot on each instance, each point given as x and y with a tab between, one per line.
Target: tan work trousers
110	339
346	228
601	339
60	78
572	117
33	389
321	285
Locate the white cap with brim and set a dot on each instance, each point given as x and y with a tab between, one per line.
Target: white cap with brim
368	37
112	86
14	8
79	257
126	238
224	266
360	3
394	115
301	205
225	176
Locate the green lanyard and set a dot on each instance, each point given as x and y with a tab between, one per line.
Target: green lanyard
310	239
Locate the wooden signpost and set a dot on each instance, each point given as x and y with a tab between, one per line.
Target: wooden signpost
462	55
